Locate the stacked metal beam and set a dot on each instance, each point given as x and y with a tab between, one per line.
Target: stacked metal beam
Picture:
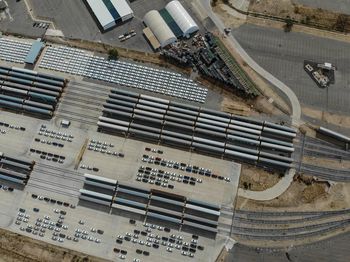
13	51
29	91
78	62
152	204
14	169
226	135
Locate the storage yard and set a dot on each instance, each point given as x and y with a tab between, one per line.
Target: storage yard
170	197
109	153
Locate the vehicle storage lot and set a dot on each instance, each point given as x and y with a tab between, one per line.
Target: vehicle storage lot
283	55
111	225
61	182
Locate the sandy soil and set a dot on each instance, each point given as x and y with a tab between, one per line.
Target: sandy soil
17	248
278	8
299	196
257	179
230	17
335	119
306	15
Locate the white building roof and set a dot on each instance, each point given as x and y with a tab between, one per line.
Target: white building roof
122	7
101	12
181	17
159	28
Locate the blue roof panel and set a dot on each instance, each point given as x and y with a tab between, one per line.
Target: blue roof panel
34	52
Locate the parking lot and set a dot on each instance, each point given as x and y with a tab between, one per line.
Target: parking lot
108	236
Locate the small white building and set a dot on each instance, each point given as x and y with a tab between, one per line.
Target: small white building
110	12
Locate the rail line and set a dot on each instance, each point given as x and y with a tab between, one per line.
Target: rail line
284	236
289	213
53	190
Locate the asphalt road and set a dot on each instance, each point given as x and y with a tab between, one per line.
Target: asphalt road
282	54
18	21
341	6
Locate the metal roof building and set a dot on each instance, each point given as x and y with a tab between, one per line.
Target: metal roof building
159	28
110	12
151	38
182	18
123	9
34	52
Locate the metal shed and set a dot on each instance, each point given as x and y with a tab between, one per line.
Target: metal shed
159	28
34	52
102	14
182	18
151	38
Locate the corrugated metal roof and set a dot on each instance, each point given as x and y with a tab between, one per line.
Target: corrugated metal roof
171	22
159	28
112	9
34	52
101	12
151	38
122	7
182	17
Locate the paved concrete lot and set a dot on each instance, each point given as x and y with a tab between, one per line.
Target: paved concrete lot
341	6
43	224
75	21
18	21
125	169
283	54
61	182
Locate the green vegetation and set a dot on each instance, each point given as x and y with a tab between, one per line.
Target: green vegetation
113	54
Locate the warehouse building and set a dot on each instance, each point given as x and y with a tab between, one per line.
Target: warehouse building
159	28
182	18
170	23
109	13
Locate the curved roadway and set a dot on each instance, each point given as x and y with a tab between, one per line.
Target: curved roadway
293	101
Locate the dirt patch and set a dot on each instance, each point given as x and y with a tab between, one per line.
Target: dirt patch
256	179
312	192
17	248
331	118
282	8
315	17
302	197
230	17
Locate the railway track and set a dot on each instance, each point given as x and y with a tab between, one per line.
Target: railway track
286	236
52	174
270	225
273	214
60	192
326	173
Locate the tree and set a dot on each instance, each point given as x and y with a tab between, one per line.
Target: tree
113	54
341	23
289	24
